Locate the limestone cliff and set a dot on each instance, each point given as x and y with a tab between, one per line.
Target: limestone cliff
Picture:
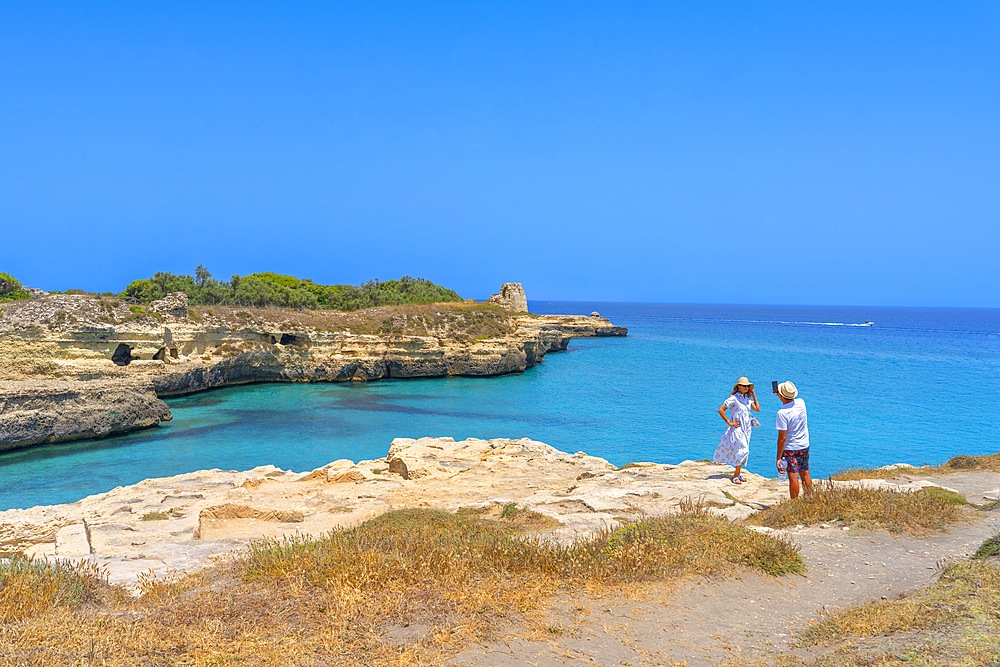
52	411
79	366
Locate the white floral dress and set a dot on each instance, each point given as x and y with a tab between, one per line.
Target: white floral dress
734	447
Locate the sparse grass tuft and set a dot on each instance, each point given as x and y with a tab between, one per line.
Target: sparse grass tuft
154	516
988	463
895	511
30	586
946	495
989	549
520	517
693	542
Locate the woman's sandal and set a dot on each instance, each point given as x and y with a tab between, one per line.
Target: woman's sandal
736	480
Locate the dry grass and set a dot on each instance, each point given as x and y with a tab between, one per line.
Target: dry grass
474	321
989	549
510	513
915	512
29	586
405	588
988	463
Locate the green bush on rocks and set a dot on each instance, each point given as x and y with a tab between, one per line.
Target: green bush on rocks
11	289
261	290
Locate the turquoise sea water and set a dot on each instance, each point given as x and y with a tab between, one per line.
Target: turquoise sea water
917	387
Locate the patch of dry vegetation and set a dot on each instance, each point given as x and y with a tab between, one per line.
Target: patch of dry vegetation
510	513
986	463
405	588
930	509
30	586
466	320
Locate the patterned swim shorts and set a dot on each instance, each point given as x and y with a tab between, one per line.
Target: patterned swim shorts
797	459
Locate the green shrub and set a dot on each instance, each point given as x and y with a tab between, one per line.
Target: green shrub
269	289
11	289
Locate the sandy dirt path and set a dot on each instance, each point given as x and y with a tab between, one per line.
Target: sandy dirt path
705	622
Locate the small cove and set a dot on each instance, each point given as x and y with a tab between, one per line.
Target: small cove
915	387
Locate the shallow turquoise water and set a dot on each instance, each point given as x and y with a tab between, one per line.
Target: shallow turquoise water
918	386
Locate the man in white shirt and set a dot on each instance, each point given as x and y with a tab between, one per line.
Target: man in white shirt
793	438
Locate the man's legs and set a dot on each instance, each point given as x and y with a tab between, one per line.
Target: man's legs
807	482
793	485
798	467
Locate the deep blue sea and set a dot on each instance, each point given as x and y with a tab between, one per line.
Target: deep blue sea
919	387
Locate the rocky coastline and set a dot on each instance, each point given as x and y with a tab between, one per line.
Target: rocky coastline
184	523
78	366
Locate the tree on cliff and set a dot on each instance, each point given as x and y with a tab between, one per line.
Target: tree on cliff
11	289
274	289
201	275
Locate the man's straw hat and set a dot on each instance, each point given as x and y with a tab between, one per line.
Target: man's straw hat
787	390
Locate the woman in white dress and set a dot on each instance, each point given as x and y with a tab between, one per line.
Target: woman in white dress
734	447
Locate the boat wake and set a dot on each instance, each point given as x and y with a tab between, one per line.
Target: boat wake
832	324
866	323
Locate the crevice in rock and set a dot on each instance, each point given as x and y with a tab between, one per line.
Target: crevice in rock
86	532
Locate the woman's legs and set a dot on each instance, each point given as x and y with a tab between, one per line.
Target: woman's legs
736	475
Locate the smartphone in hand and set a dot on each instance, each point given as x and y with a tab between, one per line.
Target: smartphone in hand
774	386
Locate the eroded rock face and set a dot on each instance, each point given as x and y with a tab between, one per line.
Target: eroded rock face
511	297
62	411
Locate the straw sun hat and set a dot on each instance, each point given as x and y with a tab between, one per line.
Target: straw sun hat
742	380
787	390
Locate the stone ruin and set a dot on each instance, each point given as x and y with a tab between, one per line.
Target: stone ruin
511	297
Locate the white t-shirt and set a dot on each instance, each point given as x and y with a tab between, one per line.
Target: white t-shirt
792	419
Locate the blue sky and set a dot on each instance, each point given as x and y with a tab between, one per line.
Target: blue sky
801	153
